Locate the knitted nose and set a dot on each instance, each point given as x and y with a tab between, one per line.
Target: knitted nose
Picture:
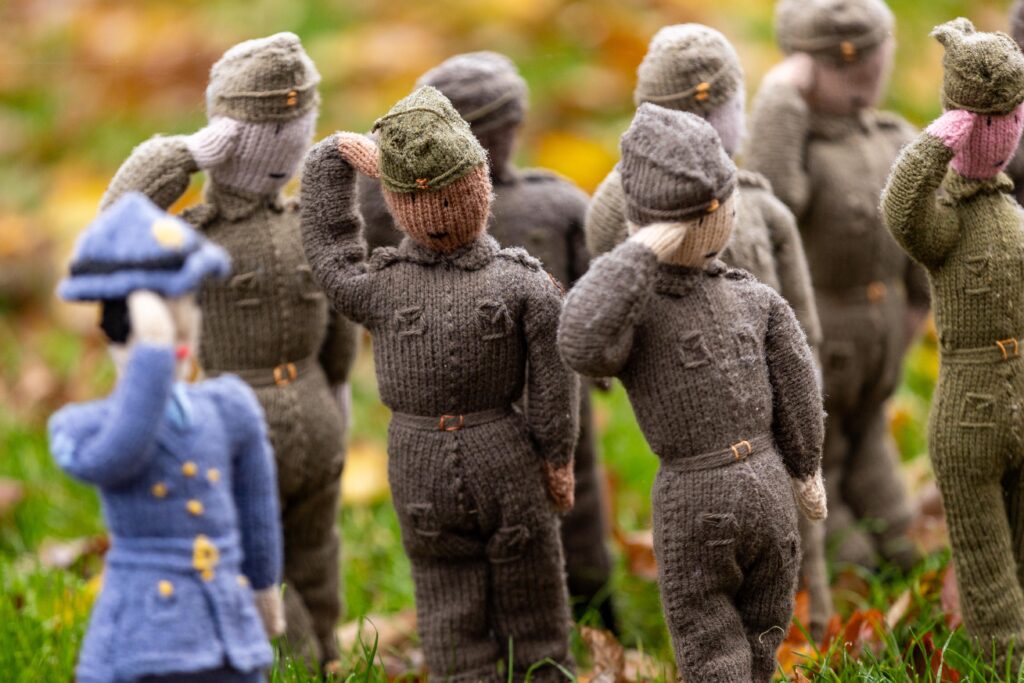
991	145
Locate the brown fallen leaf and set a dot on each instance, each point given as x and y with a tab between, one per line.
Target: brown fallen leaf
83	554
898	610
640	666
11	493
391	631
607	653
925	662
638	547
950	598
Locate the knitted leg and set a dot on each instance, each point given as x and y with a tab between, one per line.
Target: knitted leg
765	604
849	543
300	639
528	597
873	486
814	575
1013	494
584	531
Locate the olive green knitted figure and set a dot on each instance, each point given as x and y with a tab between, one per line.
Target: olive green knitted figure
827	152
543	213
460	329
269	322
972	244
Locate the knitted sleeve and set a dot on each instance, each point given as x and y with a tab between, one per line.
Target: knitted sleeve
777	142
122	447
339	348
331	230
923	226
1016	171
552	390
214	144
793	271
254	482
605	224
919	293
379	225
160	168
798	419
595	334
574	202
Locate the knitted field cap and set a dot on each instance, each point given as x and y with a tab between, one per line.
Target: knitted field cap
134	245
424	143
689	67
265	79
484	87
673	167
838	30
984	72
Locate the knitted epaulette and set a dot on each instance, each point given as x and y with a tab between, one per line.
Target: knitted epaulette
539	175
736	274
520	256
383	257
200	216
752	180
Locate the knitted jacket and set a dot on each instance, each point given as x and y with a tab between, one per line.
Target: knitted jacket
186	477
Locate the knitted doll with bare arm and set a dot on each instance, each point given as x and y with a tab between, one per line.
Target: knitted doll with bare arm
724	387
269	322
972	244
460	328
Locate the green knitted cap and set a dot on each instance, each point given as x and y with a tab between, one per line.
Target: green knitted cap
425	144
265	79
984	71
838	30
688	67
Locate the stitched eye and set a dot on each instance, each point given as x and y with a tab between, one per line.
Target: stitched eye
277	129
445	203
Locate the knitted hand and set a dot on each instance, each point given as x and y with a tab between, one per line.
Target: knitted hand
271	609
810	495
361	152
561	485
152	322
984	145
342	394
953	128
664	239
795	71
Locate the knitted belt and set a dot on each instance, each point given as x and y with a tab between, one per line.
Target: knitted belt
1000	351
738	452
872	293
450	423
281	376
200	554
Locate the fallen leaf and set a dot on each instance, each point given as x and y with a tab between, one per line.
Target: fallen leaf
925	662
640	666
391	631
950	598
11	493
898	610
638	547
79	552
607	653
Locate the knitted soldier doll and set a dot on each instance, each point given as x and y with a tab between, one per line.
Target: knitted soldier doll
724	388
972	244
1016	168
185	472
827	154
542	213
690	67
267	323
459	327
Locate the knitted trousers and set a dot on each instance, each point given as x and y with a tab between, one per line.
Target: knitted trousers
728	554
485	551
977	450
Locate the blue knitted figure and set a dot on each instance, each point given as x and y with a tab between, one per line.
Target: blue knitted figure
185	472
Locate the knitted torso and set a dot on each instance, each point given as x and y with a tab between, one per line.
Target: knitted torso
751	245
270	311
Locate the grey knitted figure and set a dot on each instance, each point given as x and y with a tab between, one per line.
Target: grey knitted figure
542	213
690	67
724	387
815	134
460	327
269	322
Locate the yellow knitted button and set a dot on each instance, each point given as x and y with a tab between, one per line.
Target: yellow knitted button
194	507
189	469
206	575
166	588
242	581
703	91
213	474
168	233
159	489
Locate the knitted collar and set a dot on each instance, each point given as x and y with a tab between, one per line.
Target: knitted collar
236	205
959	189
505	175
678	281
837	127
473	256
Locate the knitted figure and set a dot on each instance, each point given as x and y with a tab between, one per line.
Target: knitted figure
971	242
690	67
269	323
827	154
724	388
460	327
542	213
1016	168
185	472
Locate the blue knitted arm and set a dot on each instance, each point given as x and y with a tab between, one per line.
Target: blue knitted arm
119	448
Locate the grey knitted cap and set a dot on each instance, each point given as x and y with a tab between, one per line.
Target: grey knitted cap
984	72
689	67
1017	22
673	167
840	30
265	79
485	88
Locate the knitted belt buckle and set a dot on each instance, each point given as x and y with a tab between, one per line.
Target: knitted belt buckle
285	374
457	422
1010	348
742	450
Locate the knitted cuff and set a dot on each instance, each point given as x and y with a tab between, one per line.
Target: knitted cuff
213	145
271	609
810	496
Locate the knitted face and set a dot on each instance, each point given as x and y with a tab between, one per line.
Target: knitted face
729	121
266	155
843	88
445	219
697	242
990	145
186	315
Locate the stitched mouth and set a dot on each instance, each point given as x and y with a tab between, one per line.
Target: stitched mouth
276	176
711	254
437	235
998	163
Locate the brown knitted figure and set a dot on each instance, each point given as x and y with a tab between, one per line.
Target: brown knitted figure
460	327
267	322
690	67
971	242
542	213
1016	168
724	388
827	154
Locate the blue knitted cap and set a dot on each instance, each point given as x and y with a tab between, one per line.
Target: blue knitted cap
135	245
